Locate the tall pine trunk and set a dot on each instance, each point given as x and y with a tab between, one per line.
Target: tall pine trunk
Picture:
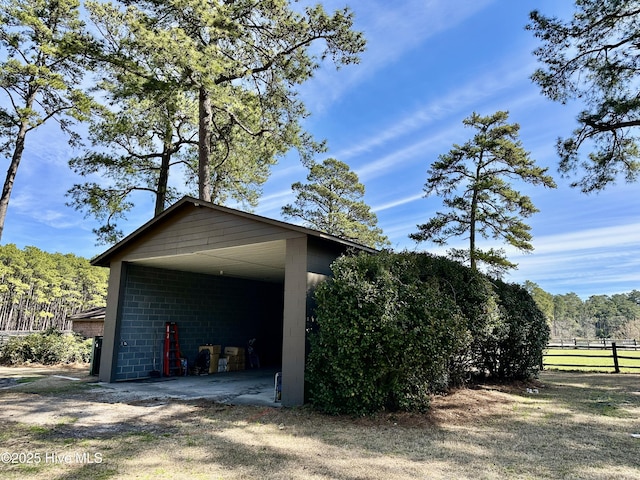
15	159
163	179
473	260
11	174
165	162
205	119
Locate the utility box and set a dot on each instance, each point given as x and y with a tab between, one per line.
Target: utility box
96	352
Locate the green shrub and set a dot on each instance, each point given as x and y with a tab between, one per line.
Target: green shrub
48	347
393	328
474	294
524	334
383	338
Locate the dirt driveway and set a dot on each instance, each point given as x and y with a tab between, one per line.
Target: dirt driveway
81	401
93	404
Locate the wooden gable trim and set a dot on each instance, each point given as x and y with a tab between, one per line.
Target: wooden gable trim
173	233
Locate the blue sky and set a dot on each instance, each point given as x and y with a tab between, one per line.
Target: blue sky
429	64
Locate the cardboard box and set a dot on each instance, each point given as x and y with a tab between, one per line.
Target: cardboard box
233	351
213	349
235	358
214	356
235	363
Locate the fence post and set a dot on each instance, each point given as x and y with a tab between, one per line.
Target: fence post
615	357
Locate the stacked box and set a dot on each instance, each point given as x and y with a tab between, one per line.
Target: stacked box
214	356
232	350
222	364
235	358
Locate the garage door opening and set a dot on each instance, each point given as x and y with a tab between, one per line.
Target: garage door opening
207	310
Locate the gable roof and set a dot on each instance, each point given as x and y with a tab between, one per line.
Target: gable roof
178	208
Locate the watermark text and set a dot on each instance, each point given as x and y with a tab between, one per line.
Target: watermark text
50	458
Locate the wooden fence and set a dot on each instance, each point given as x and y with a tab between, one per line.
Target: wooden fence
616	356
593	343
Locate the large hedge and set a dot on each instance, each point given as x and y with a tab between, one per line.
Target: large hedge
524	334
391	329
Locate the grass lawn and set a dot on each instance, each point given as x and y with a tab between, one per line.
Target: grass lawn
594	362
565	425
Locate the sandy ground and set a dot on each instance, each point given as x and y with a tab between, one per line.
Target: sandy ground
92	408
98	408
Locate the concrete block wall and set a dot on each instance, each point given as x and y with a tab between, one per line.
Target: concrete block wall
208	309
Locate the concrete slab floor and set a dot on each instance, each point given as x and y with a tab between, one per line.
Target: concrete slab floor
247	387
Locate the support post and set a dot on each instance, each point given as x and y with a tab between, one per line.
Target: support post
615	357
111	337
294	322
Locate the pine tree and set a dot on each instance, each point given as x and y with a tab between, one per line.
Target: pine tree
594	58
240	62
472	180
331	202
42	65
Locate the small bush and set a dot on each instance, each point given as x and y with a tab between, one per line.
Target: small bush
523	336
48	348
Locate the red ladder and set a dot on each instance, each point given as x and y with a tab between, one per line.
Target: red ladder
172	364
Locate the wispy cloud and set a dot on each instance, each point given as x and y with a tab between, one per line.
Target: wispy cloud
461	99
23	201
576	273
390	33
396	158
446	113
605	237
560	263
23	204
48	145
270	205
565	262
397	203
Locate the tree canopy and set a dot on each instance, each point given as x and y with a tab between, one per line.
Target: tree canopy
41	69
239	63
473	181
134	149
594	58
332	202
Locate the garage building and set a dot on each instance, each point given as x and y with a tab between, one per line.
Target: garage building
224	276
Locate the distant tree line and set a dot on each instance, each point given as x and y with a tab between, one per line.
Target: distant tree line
40	290
599	316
